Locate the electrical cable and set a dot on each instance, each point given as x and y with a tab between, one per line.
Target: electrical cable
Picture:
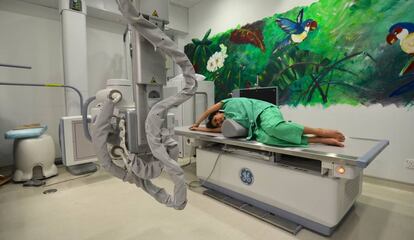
192	154
71	179
47	85
61	86
187	164
82	107
192	185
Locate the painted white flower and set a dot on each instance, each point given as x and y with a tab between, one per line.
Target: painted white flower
211	64
216	61
223	49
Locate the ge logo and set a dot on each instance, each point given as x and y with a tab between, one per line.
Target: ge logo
246	176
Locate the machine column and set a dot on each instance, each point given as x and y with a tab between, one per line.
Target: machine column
75	67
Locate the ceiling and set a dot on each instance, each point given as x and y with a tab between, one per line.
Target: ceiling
45	3
54	3
186	3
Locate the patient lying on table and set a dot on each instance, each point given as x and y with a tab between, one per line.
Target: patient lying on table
265	124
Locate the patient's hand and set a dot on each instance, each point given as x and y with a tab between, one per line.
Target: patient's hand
204	129
194	128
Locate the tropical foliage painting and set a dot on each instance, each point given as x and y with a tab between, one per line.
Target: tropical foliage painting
331	52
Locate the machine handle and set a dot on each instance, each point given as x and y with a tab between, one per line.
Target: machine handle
85	119
195	101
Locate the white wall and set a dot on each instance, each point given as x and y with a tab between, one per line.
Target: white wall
376	121
178	19
105	52
31	35
395	124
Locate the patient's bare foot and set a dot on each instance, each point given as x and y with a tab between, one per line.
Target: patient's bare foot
328	133
332	141
327	141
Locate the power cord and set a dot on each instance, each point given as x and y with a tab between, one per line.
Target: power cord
71	179
198	183
192	153
187	164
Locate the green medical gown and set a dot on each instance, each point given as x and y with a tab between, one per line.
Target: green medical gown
264	122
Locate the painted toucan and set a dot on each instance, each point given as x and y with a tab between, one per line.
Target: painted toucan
298	31
403	31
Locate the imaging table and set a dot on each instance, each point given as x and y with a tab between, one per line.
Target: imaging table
313	187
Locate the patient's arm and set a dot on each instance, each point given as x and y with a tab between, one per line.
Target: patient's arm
210	110
204	129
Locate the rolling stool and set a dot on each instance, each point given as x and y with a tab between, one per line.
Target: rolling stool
32	148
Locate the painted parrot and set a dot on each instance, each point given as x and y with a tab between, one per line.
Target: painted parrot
298	31
404	32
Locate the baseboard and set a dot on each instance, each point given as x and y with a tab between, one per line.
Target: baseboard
6	170
389	183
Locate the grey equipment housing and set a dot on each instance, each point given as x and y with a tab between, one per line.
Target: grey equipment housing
141	167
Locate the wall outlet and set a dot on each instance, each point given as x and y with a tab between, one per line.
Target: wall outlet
409	163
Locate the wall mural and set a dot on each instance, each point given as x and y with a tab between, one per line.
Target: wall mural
331	52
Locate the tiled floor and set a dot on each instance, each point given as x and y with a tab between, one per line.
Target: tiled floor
102	207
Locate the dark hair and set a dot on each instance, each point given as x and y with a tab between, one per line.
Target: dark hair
210	120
